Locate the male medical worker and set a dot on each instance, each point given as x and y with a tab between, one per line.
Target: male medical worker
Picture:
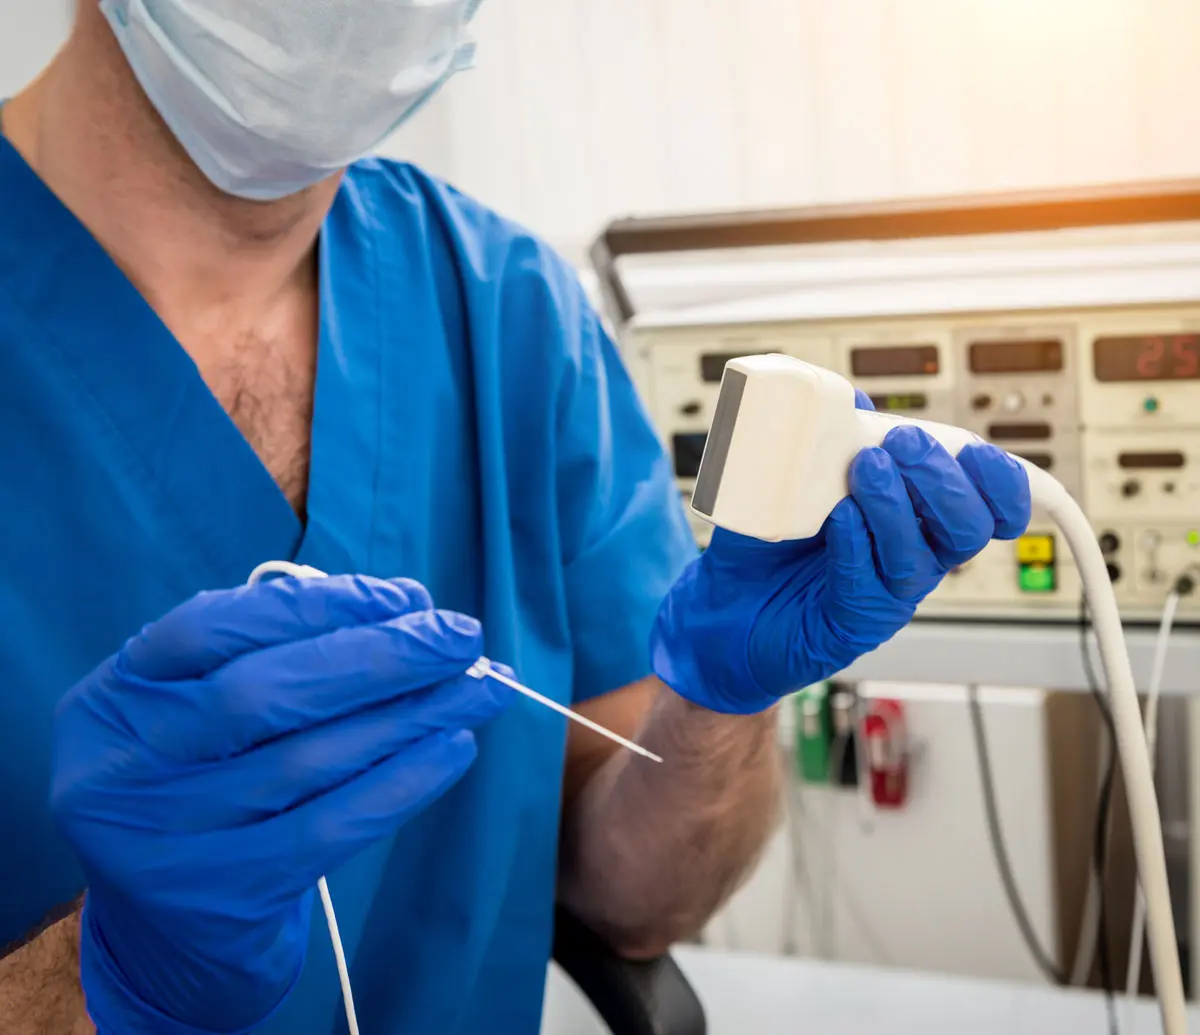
226	337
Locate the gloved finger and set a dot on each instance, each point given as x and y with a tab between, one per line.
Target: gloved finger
280	690
957	521
849	544
286	854
328	831
286	772
213	628
907	566
862	401
1004	485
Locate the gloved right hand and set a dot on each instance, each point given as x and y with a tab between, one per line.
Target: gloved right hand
230	755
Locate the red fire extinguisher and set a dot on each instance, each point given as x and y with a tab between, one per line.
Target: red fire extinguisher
886	736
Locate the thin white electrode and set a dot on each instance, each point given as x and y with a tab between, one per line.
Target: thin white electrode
483	669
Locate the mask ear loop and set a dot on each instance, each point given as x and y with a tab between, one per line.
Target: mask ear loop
301	571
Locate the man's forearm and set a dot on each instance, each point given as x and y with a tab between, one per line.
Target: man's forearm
39	985
650	852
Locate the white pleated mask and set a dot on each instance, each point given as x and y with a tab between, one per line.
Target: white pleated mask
269	97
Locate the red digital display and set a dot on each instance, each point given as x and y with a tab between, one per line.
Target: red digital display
1147	357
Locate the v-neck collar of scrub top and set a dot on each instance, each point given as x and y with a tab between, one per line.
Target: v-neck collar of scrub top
227	508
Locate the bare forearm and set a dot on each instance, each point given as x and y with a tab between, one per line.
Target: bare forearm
39	985
651	852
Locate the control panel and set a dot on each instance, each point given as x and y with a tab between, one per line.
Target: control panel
1135	474
906	370
1107	400
1020	390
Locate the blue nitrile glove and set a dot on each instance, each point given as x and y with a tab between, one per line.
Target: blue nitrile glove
751	621
230	755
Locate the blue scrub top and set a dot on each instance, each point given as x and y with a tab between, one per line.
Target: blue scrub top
474	429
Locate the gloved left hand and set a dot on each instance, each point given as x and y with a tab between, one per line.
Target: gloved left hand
226	757
751	621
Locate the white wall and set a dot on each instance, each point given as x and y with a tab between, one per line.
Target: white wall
586	109
30	31
916	888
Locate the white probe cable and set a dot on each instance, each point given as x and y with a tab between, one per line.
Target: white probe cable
482	669
1133	976
1135	761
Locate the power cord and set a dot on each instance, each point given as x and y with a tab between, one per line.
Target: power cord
1100	835
1000	850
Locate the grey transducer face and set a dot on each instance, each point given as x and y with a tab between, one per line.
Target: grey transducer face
716	452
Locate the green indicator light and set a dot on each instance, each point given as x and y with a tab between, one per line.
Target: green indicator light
1150	405
1037	578
1193	538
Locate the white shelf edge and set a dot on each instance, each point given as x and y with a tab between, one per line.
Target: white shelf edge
1043	656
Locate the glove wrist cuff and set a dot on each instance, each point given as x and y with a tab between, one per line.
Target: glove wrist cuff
722	691
115	1008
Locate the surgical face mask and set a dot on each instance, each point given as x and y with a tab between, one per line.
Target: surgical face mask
270	96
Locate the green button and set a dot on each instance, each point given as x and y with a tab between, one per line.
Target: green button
1150	405
1037	578
1193	538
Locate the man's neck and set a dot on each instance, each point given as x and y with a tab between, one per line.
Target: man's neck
88	131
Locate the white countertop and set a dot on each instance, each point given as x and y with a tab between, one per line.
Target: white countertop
744	994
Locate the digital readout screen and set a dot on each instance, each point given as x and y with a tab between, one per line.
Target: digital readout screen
1017	356
895	361
1147	357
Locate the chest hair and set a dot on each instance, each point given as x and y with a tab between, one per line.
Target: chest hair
266	387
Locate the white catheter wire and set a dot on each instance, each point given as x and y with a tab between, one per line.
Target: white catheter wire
482	669
1144	815
335	937
339	955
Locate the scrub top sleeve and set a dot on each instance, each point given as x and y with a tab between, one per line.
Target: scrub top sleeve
625	534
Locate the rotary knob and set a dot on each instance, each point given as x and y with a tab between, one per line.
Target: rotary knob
1013	402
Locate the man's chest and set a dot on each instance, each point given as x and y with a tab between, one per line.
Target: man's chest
266	386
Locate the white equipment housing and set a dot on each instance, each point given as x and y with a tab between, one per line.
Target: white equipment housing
1078	351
